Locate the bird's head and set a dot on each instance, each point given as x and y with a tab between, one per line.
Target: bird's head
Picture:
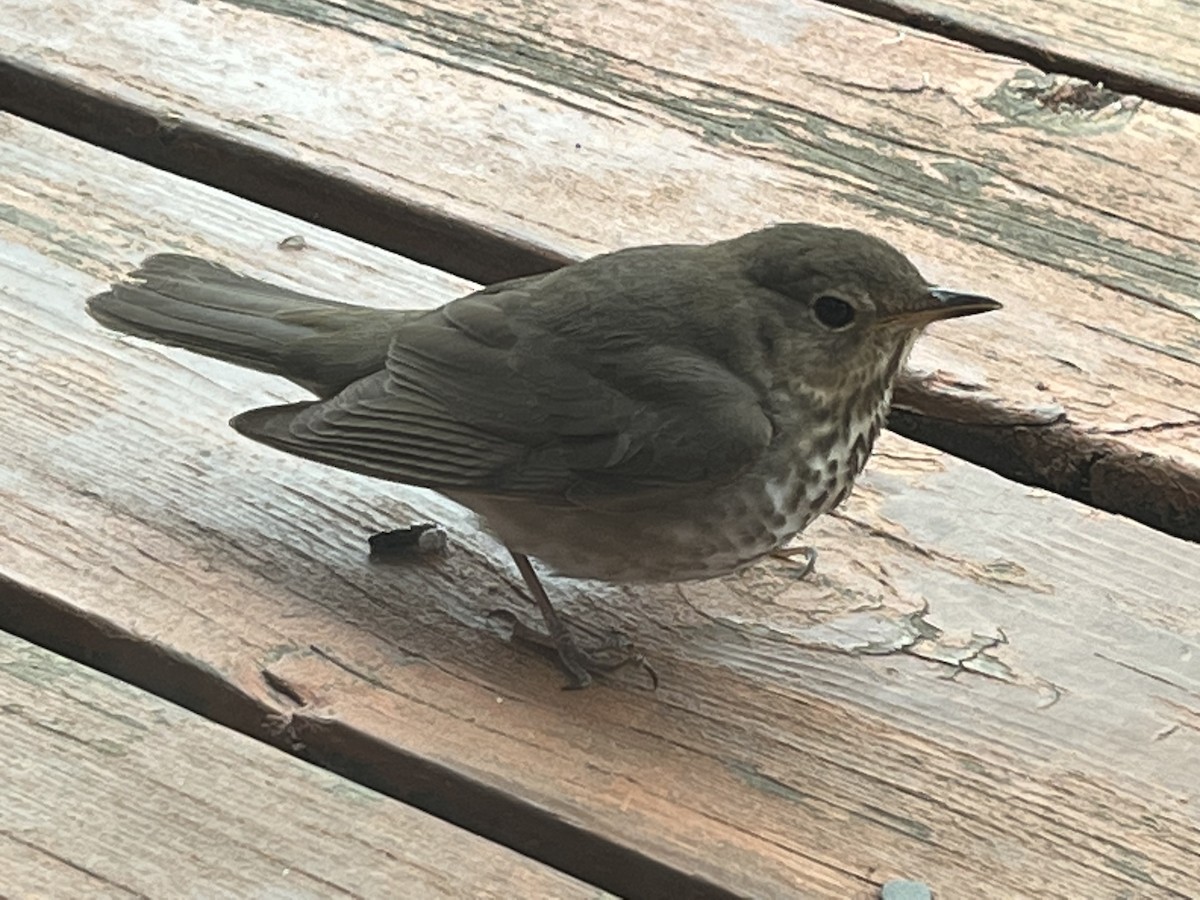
844	305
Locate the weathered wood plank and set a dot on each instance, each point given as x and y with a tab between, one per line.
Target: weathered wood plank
984	684
1141	48
111	792
586	127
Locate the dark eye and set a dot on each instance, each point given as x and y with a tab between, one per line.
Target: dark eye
833	312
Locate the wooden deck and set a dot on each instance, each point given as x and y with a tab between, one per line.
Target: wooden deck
991	686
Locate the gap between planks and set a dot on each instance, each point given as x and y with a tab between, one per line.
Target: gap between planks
158	802
422	783
959	25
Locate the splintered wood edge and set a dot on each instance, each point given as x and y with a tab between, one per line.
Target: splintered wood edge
433	223
826	734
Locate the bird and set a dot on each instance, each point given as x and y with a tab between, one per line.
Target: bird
660	413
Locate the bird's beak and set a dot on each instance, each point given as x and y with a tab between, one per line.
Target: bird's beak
945	304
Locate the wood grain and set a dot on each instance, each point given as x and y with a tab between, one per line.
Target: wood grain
111	792
984	685
582	127
1146	48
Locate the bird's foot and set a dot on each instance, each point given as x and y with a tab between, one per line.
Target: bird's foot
806	562
612	652
406	544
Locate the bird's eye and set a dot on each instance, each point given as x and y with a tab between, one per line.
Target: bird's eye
833	312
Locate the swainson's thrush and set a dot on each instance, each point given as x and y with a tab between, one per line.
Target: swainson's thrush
656	414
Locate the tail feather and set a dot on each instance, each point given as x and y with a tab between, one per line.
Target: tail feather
183	301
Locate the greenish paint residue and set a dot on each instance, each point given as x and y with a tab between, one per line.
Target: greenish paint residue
350	790
1185	347
863	631
266	124
752	776
1007	573
901	824
1132	865
272	655
977	768
1059	104
50	231
971	656
922	628
37	667
49	672
967	179
903	889
74	249
107	747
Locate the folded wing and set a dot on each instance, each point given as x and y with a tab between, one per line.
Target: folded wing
478	400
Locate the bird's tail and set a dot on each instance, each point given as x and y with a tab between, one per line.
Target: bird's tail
183	301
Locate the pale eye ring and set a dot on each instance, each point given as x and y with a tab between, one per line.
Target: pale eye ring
833	312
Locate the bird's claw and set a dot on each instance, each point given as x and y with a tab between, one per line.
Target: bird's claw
789	554
613	653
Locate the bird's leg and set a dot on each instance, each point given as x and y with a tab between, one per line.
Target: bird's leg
577	663
789	554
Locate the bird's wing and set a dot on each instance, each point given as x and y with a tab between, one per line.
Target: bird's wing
475	400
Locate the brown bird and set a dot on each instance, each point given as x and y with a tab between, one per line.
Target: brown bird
656	414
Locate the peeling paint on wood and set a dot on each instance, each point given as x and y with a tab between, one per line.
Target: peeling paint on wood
1140	48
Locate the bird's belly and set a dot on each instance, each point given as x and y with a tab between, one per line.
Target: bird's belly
695	538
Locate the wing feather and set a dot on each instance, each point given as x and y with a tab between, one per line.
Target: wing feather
476	400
